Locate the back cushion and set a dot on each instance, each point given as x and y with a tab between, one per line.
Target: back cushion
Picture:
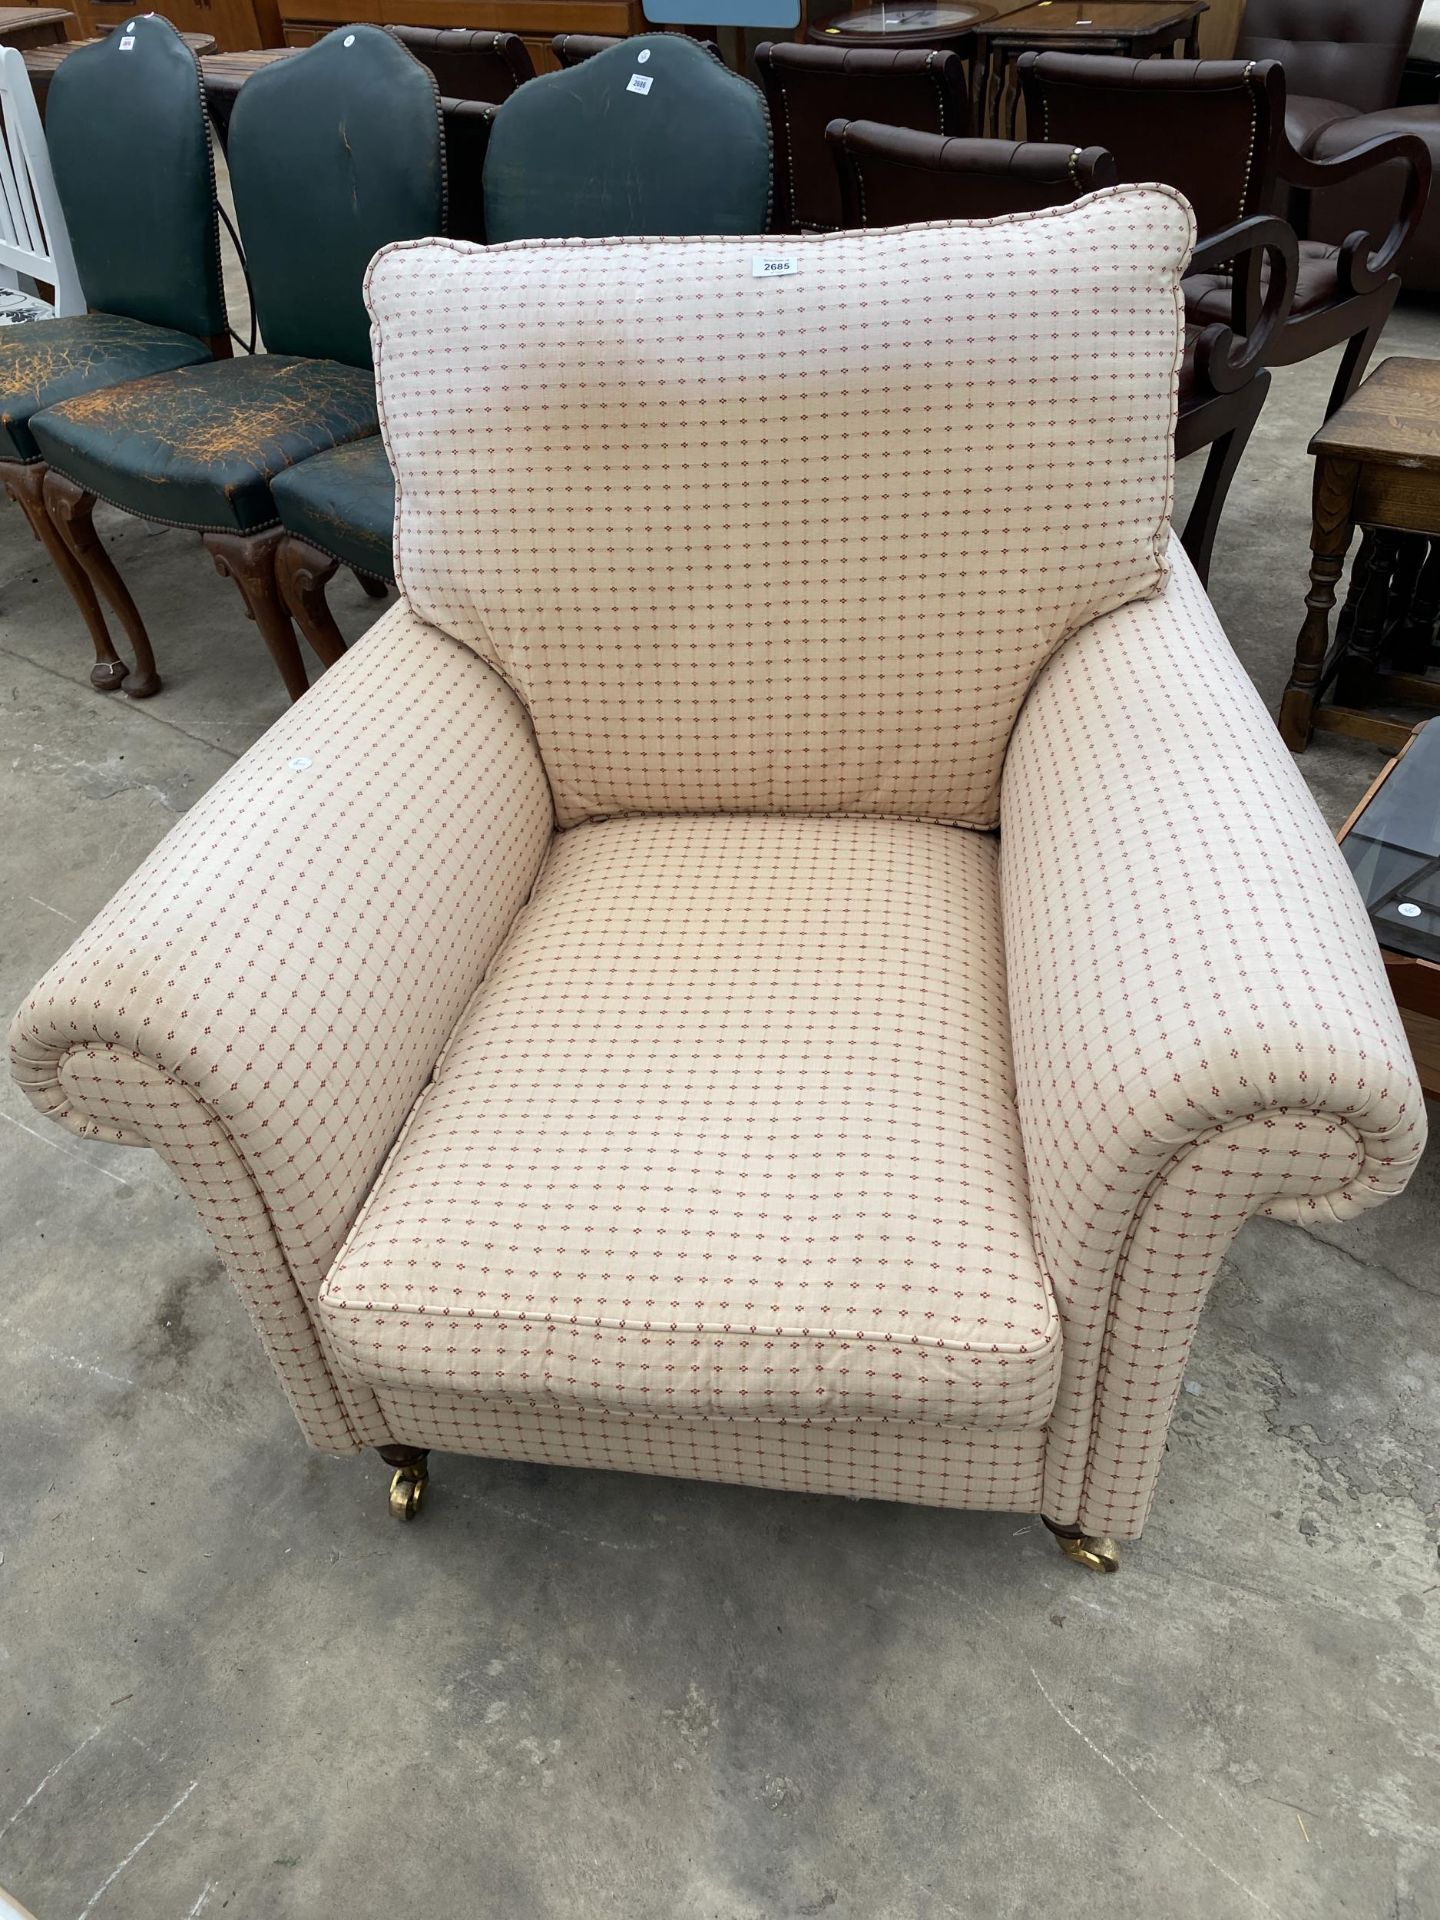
784	541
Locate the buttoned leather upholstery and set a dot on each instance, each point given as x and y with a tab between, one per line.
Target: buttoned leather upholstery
1335	50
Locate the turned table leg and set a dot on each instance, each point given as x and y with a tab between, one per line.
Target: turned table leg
1330	537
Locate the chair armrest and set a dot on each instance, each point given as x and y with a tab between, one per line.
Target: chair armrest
1366	262
1228	358
1202	1026
266	997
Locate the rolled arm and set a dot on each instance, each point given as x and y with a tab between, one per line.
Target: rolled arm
1202	1026
266	997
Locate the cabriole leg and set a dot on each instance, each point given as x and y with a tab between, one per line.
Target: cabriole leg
25	486
249	560
407	1484
302	573
71	508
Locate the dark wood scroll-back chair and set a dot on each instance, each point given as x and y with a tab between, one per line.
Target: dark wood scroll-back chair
891	176
1216	130
808	87
131	156
572	153
332	154
470	65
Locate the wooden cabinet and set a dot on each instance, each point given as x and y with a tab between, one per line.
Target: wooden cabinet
236	24
1219	28
536	21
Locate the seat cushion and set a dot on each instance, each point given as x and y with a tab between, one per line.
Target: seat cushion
199	448
53	360
1208	295
1306	115
728	1131
343	502
798	542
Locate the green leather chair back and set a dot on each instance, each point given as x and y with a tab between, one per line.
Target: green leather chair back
130	147
651	136
332	155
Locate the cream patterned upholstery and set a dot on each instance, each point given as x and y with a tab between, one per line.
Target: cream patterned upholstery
729	1130
747	544
775	1119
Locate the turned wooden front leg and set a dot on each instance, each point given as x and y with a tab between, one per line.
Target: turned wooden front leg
1331	532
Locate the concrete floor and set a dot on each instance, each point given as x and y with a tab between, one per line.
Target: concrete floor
229	1683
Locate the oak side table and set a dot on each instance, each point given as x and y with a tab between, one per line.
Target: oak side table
1377	466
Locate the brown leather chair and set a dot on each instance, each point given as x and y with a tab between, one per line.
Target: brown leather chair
808	87
1341	57
470	65
1345	60
570	49
890	176
1216	130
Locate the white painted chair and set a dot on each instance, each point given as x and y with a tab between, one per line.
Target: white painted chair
33	238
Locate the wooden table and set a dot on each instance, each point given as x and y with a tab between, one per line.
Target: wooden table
41	62
1391	843
1138	29
943	24
34	26
1377	465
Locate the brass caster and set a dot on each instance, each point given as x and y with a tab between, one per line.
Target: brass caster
407	1489
1093	1550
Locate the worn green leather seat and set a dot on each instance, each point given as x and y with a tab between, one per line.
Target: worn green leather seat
343	503
53	360
128	144
651	136
332	154
199	448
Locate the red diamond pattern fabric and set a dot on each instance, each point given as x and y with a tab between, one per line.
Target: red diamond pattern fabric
793	544
729	1130
769	1128
265	997
1202	1025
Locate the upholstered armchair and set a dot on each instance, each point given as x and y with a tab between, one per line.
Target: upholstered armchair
790	954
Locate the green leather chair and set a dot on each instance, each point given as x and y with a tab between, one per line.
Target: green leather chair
332	155
130	151
586	152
